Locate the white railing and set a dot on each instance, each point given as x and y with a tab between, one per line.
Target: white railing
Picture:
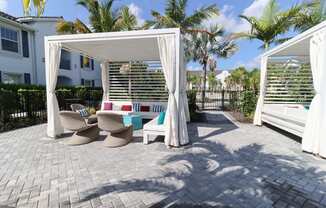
137	81
289	85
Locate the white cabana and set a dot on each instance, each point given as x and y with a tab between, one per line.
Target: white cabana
164	45
303	111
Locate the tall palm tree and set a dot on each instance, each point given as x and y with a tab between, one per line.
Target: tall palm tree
175	16
271	24
39	5
311	14
103	18
202	46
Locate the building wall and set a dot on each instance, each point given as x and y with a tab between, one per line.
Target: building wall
76	73
15	63
34	65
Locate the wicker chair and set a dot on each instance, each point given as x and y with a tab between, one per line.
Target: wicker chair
90	119
84	133
119	135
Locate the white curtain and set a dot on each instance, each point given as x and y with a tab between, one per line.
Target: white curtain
52	62
314	137
183	89
105	80
184	112
260	102
167	49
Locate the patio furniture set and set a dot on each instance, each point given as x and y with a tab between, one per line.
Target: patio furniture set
119	124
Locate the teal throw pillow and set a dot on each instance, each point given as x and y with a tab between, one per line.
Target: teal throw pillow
161	118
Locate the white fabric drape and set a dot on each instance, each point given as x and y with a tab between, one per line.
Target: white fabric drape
52	60
260	102
167	46
183	89
184	115
314	137
105	80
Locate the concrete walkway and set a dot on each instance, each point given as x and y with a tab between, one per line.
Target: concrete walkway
227	165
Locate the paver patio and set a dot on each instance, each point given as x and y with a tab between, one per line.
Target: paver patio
228	164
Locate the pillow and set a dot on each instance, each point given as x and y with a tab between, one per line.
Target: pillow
136	107
158	108
83	112
161	118
107	106
144	108
126	108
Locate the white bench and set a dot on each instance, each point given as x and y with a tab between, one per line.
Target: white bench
152	128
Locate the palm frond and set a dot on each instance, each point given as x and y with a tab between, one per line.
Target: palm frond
200	15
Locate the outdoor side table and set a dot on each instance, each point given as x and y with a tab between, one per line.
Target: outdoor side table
135	120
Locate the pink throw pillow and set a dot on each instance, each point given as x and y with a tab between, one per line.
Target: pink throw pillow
107	106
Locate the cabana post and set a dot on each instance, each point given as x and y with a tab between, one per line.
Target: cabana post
147	45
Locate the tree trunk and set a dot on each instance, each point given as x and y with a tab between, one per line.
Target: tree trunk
204	85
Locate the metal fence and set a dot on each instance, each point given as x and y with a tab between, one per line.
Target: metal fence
218	99
22	108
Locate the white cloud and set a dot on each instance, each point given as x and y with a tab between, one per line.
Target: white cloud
254	63
231	21
194	67
136	10
256	8
3	5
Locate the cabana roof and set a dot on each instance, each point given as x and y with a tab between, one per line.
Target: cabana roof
117	46
297	46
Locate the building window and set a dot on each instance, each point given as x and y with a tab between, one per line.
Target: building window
11	78
27	78
88	83
25	44
65	60
9	40
86	62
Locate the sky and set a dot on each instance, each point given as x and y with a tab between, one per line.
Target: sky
247	55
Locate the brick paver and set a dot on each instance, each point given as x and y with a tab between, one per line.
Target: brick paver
227	165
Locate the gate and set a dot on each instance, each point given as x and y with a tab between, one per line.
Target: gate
220	99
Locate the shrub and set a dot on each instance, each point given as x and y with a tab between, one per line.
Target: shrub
248	102
192	104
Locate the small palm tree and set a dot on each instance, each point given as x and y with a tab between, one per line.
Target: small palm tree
311	14
103	18
271	24
175	16
238	79
202	46
39	5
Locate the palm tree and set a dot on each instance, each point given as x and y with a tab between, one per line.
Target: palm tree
271	24
175	16
311	14
103	18
238	79
72	27
202	46
39	5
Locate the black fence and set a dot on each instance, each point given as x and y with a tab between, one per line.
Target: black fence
22	108
218	99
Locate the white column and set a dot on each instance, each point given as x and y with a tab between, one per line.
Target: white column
52	62
314	137
263	81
